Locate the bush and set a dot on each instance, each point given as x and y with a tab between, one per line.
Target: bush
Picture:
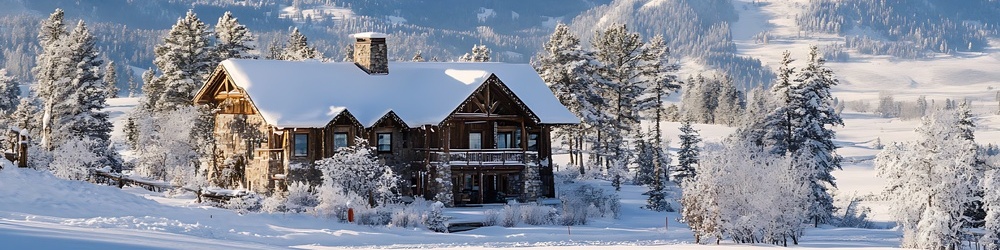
588	201
274	204
511	216
300	198
491	218
245	204
533	214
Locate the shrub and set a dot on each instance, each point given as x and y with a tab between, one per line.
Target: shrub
244	204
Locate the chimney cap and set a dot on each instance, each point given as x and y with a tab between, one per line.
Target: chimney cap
369	35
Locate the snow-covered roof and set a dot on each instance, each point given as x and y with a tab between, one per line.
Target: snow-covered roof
312	93
369	35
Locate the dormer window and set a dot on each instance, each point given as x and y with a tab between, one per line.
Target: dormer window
339	140
300	147
384	142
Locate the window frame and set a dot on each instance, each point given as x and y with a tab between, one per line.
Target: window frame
536	138
507	137
378	142
295	145
480	143
347	141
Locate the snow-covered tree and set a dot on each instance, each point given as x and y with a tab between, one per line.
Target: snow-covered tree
480	53
111	79
184	60
232	39
767	205
569	72
133	84
355	171
298	49
50	75
812	113
419	57
9	93
991	203
687	154
930	182
729	107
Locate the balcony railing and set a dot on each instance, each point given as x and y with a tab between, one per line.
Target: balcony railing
483	156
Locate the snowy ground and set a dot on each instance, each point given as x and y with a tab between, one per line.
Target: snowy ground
40	212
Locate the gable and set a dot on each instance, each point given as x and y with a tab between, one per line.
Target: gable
227	96
493	99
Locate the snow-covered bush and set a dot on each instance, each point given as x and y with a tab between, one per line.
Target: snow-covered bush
357	172
491	217
245	204
75	159
300	198
533	214
434	219
855	215
334	202
511	216
276	203
378	216
420	213
588	201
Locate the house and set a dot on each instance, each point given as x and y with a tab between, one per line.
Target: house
483	126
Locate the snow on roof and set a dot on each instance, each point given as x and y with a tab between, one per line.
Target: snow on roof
369	35
311	93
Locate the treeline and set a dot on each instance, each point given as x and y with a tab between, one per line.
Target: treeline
905	29
691	28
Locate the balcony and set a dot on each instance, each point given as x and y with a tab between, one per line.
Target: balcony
483	157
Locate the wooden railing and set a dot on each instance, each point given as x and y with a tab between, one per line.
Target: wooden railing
482	156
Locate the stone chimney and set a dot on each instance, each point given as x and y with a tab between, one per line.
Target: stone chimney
371	53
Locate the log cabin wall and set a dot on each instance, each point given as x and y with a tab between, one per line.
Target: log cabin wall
302	155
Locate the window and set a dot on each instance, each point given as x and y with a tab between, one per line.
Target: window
339	140
504	140
301	145
532	142
476	140
384	142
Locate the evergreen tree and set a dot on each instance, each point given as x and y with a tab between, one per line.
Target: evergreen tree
86	119
811	113
232	39
24	116
480	53
624	59
49	74
729	103
569	70
687	154
184	59
152	90
111	79
297	48
133	85
419	57
348	52
9	94
777	124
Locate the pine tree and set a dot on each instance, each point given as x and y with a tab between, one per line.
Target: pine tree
569	70
232	39
133	85
623	57
297	48
111	79
812	112
184	59
86	120
687	154
419	57
480	53
348	52
152	90
48	74
729	107
9	94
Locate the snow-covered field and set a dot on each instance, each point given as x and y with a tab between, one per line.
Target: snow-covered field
38	211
